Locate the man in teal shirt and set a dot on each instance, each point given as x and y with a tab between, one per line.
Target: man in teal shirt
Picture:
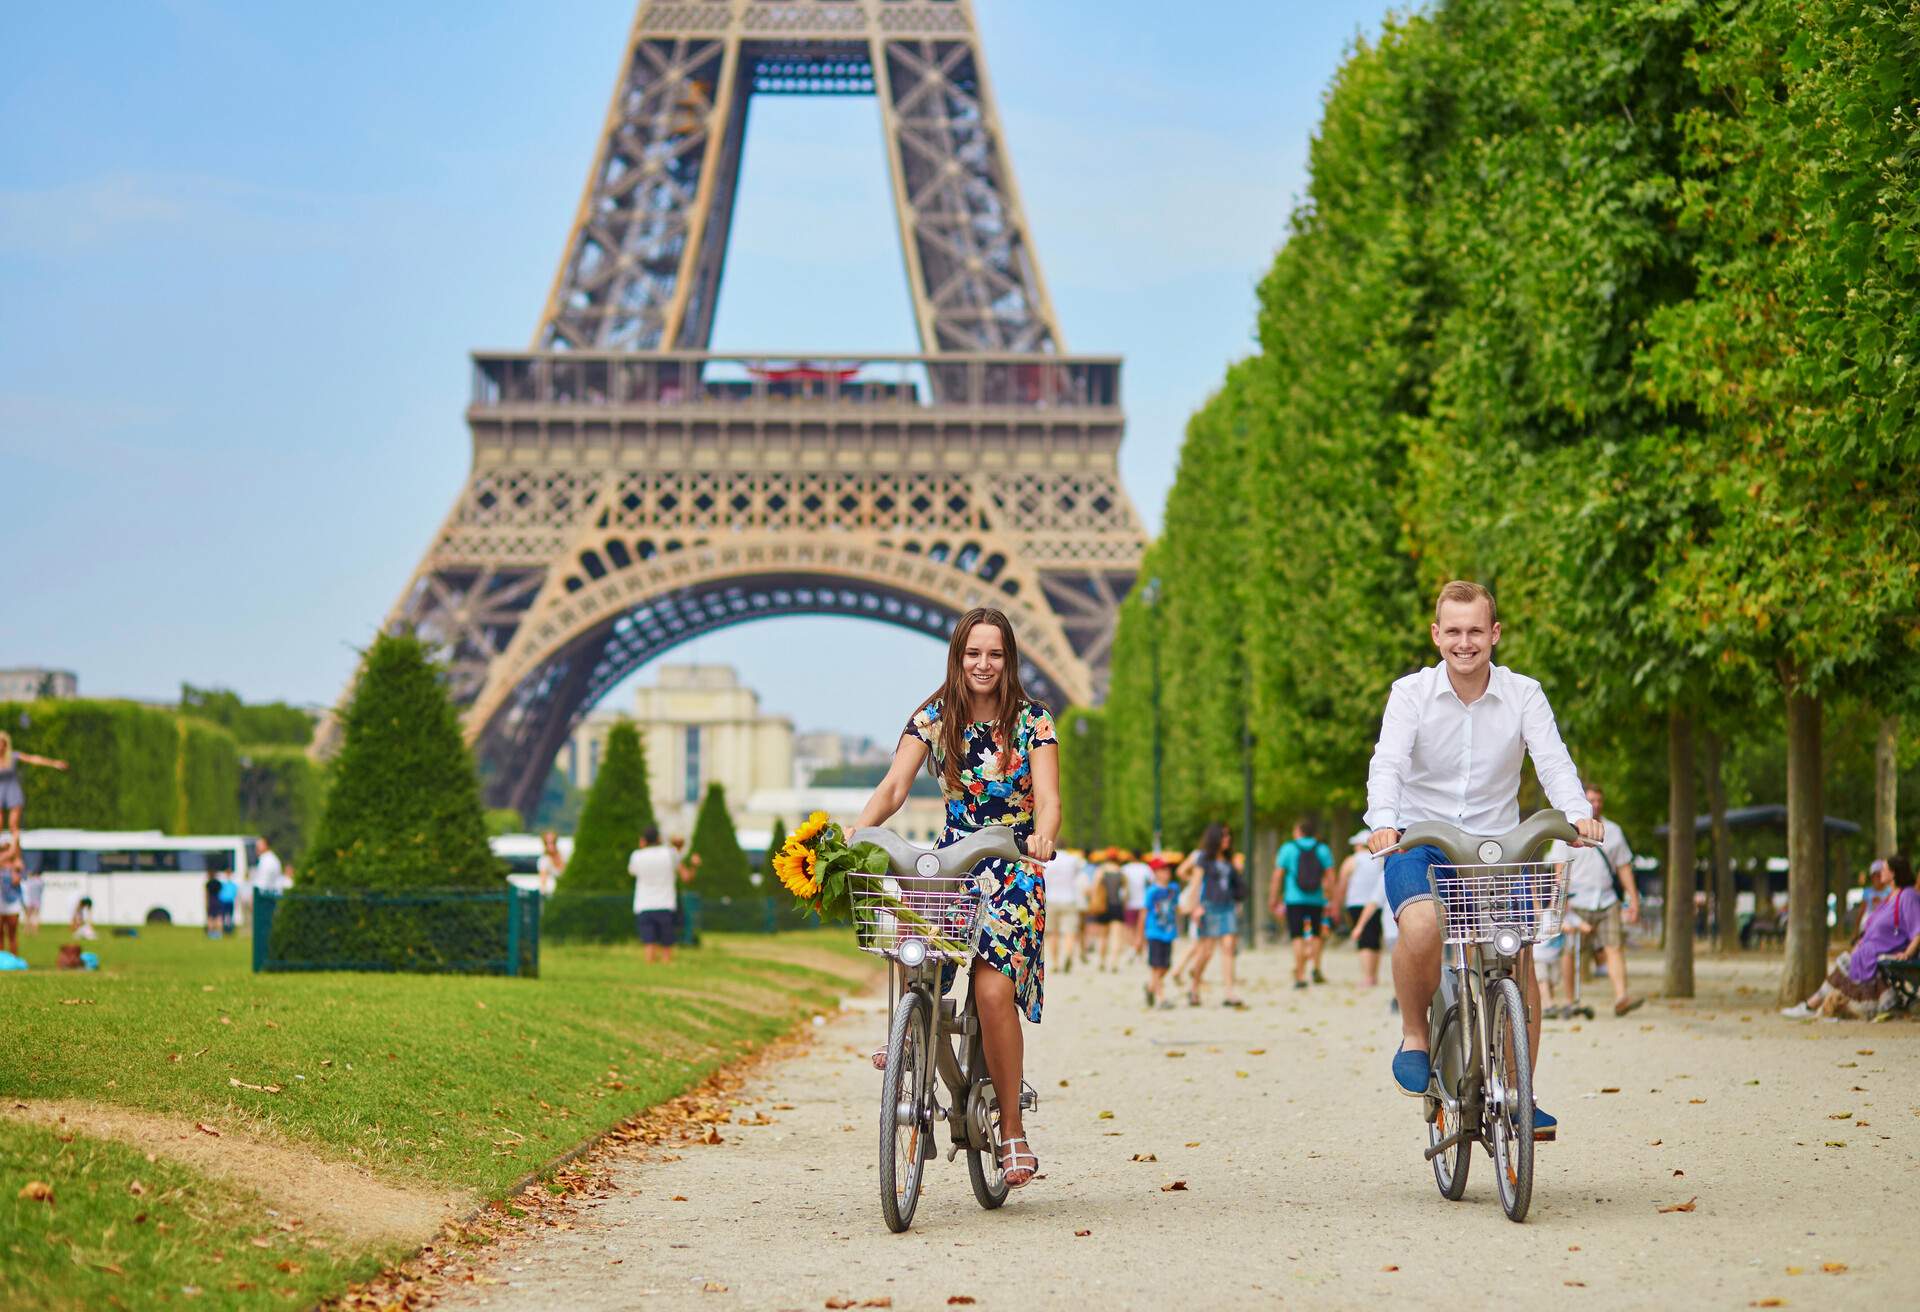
1303	865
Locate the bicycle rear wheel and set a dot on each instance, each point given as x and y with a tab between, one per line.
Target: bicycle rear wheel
983	1111
1449	1058
1510	1101
904	1121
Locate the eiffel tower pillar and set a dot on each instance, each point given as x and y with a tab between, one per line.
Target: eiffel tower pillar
631	489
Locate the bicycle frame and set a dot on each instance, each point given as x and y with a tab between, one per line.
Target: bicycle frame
1463	1093
958	1065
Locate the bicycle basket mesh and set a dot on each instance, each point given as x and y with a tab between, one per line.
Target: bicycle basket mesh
1526	896
892	908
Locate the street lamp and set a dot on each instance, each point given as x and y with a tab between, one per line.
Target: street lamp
1150	597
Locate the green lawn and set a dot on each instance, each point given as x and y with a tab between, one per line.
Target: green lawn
448	1082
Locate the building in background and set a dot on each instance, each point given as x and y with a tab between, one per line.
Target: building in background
823	750
28	683
701	725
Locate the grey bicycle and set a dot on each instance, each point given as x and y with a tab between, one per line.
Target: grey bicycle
1496	897
924	915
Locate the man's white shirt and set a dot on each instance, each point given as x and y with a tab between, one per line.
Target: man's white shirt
1590	869
268	875
1439	758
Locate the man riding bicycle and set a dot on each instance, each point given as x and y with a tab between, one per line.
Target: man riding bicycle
1450	747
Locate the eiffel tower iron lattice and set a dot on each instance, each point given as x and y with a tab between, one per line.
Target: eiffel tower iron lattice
631	489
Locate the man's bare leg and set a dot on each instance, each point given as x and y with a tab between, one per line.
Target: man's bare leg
1416	970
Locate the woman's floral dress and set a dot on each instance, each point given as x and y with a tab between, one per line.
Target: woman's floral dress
1015	923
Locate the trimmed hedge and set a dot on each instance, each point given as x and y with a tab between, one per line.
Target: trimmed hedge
423	931
207	775
281	795
131	767
593	902
723	873
1083	738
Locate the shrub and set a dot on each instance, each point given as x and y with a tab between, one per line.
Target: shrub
207	779
404	809
723	869
594	897
281	794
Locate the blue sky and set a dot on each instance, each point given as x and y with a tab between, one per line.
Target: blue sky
245	248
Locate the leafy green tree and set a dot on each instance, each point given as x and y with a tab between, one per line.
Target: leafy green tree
1082	776
267	723
282	793
593	897
404	809
504	820
722	872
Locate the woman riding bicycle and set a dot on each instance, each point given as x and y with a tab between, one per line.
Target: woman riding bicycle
994	751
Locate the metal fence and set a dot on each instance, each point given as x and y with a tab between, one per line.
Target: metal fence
448	931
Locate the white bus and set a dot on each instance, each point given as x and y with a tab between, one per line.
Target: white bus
140	877
522	852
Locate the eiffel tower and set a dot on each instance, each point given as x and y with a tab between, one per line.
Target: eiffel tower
632	489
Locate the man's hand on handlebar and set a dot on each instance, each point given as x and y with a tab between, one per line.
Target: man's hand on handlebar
1382	839
1591	830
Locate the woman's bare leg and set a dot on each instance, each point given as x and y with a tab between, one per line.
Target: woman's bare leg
1005	1049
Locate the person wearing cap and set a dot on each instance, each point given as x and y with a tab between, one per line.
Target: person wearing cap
1363	885
1879	889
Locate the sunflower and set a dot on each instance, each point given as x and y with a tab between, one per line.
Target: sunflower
809	828
794	868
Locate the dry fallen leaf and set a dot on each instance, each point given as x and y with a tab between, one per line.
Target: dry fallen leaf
1575	1284
135	1188
1239	1075
1833	1268
1696	1101
1175	1052
1176	1187
712	1135
1106	1116
713	1287
1839	1116
1863	1052
1679	1172
36	1191
1653	1143
1256	1052
1145	1157
1796	1270
1194	1144
960	1300
1081	1234
257	1088
1612	1090
678	1198
1389	1268
1681	1207
204	1128
1836	1143
1768	1302
783	1106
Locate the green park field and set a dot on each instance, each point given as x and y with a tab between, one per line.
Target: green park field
442	1091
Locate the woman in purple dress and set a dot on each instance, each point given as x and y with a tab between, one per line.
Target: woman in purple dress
1891	931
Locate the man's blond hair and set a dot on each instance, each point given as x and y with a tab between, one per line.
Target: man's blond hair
1465	590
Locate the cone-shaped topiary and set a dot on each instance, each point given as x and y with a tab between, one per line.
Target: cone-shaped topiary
723	866
593	899
403	811
776	839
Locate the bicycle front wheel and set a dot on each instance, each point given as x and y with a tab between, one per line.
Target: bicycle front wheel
1510	1101
905	1126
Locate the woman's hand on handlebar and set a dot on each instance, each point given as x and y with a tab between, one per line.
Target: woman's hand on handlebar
1382	839
1039	848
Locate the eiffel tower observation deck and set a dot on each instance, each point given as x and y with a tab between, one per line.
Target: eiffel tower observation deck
632	489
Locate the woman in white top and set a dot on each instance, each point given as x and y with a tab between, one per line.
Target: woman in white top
552	864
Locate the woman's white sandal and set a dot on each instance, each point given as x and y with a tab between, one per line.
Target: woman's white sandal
1010	1161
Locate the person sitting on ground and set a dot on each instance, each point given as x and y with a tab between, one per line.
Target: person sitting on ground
81	926
1892	931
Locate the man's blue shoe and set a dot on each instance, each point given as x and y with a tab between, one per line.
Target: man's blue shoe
1545	1128
1411	1070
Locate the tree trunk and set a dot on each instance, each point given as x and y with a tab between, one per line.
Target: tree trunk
1806	959
1680	854
1726	910
1886	789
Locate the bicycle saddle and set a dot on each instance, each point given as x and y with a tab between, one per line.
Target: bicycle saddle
1526	841
954	861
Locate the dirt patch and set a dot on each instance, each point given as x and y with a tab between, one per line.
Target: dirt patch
325	1195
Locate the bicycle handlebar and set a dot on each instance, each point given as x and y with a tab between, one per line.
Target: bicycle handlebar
953	861
1524	842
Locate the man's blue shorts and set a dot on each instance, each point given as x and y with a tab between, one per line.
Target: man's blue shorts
1406	876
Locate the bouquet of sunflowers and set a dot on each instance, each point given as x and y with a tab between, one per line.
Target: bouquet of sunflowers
825	874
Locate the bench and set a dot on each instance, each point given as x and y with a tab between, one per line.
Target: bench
1759	928
1904	978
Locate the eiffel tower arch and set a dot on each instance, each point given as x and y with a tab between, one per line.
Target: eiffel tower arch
631	489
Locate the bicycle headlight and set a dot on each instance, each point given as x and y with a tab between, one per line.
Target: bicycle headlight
1490	852
1506	942
912	952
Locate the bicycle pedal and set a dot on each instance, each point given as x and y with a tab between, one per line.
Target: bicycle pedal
1029	1097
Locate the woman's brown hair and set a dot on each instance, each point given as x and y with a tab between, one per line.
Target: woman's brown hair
952	696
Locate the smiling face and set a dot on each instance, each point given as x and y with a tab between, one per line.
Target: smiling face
1465	634
983	661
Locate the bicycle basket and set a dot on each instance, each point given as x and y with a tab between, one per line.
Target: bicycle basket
890	910
1525	896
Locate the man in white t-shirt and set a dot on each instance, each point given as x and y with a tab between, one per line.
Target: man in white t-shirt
1065	898
1363	885
654	867
268	876
1138	875
1590	897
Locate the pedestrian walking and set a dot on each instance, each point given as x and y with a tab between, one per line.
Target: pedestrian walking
1064	900
1299	892
211	890
1363	885
997	757
1591	874
552	865
1113	908
1220	875
269	876
1137	873
656	897
13	799
1159	927
33	889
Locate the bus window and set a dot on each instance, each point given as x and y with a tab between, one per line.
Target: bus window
152	861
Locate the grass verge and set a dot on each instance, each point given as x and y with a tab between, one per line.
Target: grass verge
454	1084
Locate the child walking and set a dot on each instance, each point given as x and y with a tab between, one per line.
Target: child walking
1160	926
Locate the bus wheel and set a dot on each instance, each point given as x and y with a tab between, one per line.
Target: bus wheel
159	916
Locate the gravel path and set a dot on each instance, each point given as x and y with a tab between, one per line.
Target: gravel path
1304	1183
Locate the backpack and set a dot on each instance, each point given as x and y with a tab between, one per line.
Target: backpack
1096	898
1113	890
1308	872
